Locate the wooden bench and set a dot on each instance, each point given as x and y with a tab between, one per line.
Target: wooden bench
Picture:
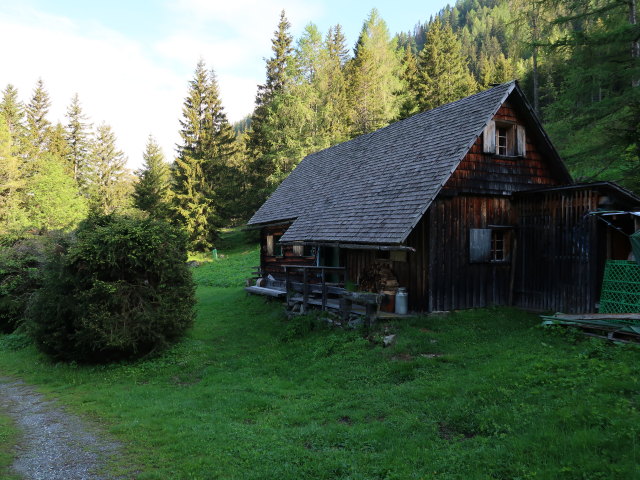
269	292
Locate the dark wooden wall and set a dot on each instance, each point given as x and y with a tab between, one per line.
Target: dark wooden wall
493	175
454	282
560	252
271	264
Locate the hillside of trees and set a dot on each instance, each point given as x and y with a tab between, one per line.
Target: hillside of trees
576	60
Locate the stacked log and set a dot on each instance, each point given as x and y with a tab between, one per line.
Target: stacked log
379	277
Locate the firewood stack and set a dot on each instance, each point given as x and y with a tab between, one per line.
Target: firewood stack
378	277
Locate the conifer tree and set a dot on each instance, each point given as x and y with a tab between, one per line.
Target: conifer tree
410	83
152	192
105	180
443	74
12	110
53	201
11	181
58	146
77	136
38	126
258	145
200	172
374	77
332	86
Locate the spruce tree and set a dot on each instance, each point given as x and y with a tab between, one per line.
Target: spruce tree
410	83
374	76
200	172
332	86
258	144
38	126
12	110
443	74
77	136
106	181
152	192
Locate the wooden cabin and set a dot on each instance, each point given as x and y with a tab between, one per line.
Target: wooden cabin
467	205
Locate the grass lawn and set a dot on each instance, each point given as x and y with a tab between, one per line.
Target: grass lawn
247	395
8	438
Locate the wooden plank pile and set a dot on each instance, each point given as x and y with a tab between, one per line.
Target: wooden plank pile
617	327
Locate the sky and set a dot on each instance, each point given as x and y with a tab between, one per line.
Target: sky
130	61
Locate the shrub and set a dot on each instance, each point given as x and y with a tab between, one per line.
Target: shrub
21	265
122	290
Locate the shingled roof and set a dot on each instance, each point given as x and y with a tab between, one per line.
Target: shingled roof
375	188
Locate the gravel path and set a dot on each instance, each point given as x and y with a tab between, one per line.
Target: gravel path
55	445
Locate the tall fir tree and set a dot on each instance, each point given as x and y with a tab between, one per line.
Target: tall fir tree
332	86
106	181
410	82
277	77
443	74
374	76
208	143
38	125
13	110
152	192
77	134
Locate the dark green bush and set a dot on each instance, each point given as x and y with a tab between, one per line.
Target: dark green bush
21	266
121	290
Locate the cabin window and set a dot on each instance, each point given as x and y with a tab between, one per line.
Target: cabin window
278	251
489	245
273	247
498	246
505	139
501	140
304	250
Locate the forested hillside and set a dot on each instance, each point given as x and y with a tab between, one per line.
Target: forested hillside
577	61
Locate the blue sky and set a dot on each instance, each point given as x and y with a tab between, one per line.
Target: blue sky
130	61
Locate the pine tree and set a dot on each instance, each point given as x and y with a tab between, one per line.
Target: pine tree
77	136
152	192
106	180
374	77
38	126
443	74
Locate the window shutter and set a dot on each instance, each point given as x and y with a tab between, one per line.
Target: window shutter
269	244
479	245
522	142
489	137
298	250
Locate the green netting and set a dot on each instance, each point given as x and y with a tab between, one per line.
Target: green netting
620	287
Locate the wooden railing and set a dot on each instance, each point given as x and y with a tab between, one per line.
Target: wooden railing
314	280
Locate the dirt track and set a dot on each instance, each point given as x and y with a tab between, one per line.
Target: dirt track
54	444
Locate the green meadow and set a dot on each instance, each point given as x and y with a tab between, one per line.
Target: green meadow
479	394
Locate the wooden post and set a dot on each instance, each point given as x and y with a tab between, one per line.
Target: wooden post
345	309
305	290
371	313
324	290
287	286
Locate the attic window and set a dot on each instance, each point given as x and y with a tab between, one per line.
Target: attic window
502	135
505	139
